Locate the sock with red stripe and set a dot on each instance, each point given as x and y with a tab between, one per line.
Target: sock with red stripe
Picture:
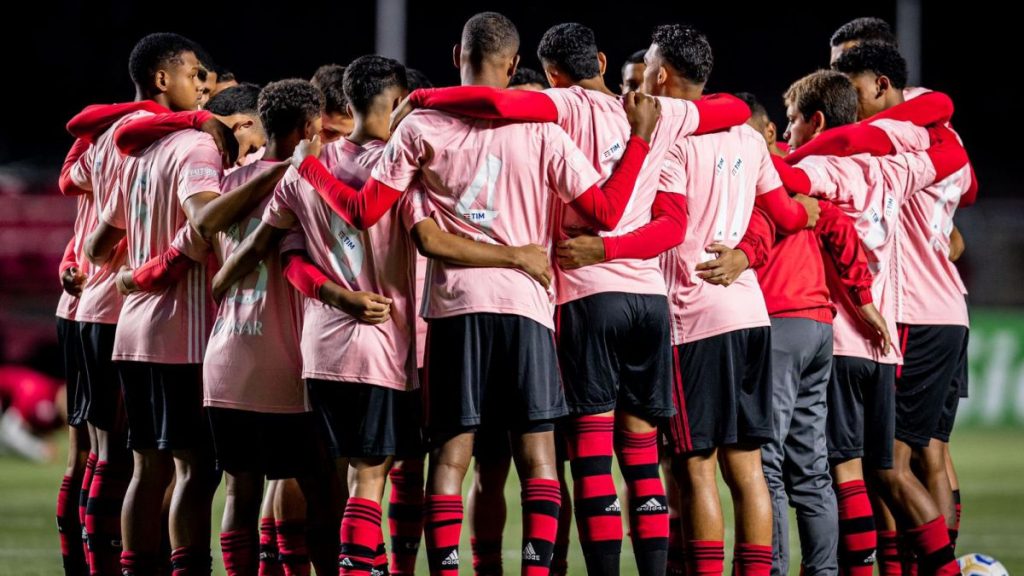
139	564
934	551
676	561
240	551
291	547
380	561
360	534
270	564
83	500
405	520
70	529
648	507
191	561
443	528
560	557
486	556
542	499
598	512
705	557
908	554
103	517
954	533
752	560
857	537
889	563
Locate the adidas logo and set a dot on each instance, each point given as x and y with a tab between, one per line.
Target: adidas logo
870	560
614	507
346	562
452	559
530	554
411	546
651	505
377	572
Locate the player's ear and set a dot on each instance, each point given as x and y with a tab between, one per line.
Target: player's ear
457	55
602	62
662	75
349	111
512	67
882	84
818	121
161	80
771	133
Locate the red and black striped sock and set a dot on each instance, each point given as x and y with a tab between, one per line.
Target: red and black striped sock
360	535
954	533
889	563
934	551
292	552
908	554
752	560
70	529
486	556
705	557
598	512
380	561
648	507
83	500
676	561
139	564
405	520
270	564
103	517
541	500
443	528
191	561
857	537
240	551
560	558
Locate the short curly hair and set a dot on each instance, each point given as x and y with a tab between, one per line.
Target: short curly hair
369	76
864	30
573	48
526	75
329	79
686	49
239	99
878	57
287	105
825	91
154	51
489	34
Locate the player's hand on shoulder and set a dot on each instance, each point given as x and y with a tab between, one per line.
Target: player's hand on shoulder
225	139
404	108
642	111
305	149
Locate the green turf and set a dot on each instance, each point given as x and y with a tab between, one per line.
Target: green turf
990	463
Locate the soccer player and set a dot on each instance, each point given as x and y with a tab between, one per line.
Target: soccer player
174	181
872	191
336	121
528	79
633	72
760	121
932	313
860	30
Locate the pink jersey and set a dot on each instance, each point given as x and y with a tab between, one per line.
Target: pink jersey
597	124
871	190
491	182
414	210
169	326
929	288
100	166
335	346
253	361
724	173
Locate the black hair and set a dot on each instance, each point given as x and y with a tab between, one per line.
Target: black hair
239	99
864	30
489	34
154	51
573	48
417	79
369	76
526	75
225	75
635	58
330	80
286	105
878	57
756	108
825	91
686	49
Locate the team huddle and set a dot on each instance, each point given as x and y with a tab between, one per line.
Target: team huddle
360	287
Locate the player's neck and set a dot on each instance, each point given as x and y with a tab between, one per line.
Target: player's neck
683	89
369	128
597	84
275	151
486	76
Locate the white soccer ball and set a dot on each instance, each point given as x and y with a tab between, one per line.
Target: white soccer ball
981	565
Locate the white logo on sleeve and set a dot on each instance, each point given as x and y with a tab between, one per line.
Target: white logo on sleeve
452	559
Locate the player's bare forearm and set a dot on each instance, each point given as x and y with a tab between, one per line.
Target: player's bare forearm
435	243
209	212
100	245
250	252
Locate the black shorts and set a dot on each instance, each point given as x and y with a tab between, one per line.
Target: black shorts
861	411
926	383
493	368
722	391
105	409
494	444
274	445
615	351
164	403
70	341
366	421
962	377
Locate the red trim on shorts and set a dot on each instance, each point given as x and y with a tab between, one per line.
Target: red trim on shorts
425	380
680	424
903	333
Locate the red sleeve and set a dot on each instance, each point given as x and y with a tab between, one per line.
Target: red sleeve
95	119
720	112
488	103
66	185
925	110
787	214
137	134
360	208
666	230
794	179
971	195
68	260
603	207
845	141
303	274
162	271
946	152
758	240
840	240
